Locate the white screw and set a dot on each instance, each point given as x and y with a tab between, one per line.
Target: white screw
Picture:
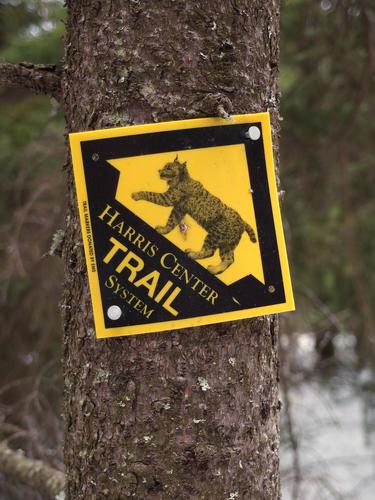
114	312
254	133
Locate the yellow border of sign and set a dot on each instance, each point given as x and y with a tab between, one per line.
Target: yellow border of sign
75	145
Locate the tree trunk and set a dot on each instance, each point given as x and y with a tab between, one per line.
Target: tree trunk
190	413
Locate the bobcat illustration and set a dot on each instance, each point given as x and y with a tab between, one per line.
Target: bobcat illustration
189	197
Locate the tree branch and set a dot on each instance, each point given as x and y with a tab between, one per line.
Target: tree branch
33	473
35	77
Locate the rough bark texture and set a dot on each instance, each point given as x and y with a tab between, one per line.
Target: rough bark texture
38	78
33	473
190	413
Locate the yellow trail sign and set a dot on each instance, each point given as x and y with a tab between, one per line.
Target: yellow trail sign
181	224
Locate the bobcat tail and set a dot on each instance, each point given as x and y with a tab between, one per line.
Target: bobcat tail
251	233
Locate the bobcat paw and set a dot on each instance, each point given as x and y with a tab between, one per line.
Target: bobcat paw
194	255
137	196
162	229
220	268
213	269
190	253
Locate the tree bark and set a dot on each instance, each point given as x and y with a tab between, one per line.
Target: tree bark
190	413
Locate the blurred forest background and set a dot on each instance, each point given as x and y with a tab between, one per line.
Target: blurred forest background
328	175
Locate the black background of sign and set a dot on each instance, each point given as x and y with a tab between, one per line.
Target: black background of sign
101	183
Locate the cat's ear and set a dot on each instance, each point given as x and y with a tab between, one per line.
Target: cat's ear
176	159
184	172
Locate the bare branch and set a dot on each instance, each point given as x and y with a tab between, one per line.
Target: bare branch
33	473
35	77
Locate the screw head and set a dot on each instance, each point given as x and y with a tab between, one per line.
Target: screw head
114	313
253	133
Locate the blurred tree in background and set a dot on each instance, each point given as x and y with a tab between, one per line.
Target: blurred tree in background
327	152
31	209
327	82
